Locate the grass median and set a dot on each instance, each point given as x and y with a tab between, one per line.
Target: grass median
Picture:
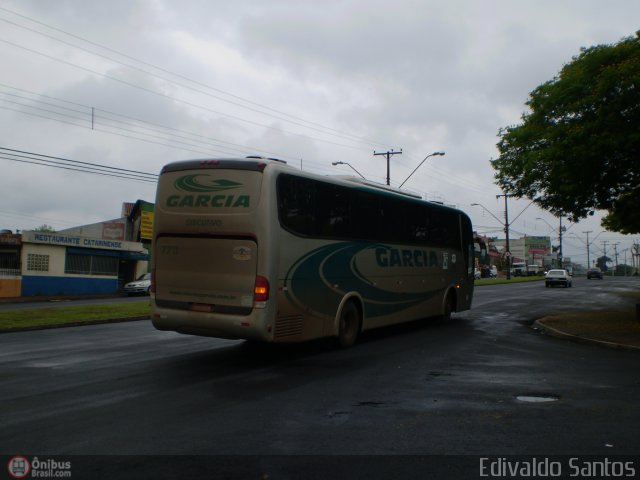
615	326
71	315
499	280
619	325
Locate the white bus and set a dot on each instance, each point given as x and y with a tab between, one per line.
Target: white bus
256	249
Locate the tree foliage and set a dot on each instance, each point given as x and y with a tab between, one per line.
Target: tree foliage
577	149
45	228
601	263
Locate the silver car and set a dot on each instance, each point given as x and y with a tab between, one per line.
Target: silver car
141	285
557	277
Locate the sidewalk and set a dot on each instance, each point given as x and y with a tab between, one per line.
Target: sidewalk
58	298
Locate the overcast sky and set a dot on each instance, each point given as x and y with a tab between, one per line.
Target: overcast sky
137	84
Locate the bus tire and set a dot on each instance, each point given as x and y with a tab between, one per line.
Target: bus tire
449	307
348	325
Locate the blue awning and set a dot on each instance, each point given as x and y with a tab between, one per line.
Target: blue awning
123	255
93	251
134	256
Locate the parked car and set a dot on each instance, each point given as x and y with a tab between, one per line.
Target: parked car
557	277
140	286
594	273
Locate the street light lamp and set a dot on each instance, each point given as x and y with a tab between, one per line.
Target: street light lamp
486	210
434	154
352	168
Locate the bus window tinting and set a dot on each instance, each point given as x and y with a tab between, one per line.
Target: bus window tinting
310	207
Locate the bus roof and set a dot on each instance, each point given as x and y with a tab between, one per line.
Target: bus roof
258	163
248	163
380	186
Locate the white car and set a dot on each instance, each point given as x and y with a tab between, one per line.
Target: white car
141	285
558	277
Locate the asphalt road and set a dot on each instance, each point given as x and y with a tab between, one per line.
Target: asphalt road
420	389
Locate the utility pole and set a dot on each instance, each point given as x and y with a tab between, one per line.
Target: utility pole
615	255
388	155
588	257
506	232
560	239
625	261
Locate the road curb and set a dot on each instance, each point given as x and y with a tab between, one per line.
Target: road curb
75	324
554	332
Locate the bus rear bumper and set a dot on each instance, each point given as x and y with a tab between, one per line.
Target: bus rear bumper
249	327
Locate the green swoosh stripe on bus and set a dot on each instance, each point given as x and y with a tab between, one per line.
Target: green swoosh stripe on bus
191	183
310	282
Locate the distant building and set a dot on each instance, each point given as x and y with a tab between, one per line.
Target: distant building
10	247
91	259
530	250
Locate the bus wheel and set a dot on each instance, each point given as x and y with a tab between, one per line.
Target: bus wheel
449	306
349	325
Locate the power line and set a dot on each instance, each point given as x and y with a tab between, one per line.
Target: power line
179	144
296	120
174	99
177	75
87	119
22	217
129	127
22	156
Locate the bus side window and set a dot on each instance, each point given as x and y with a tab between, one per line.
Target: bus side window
417	216
392	225
295	201
333	211
366	216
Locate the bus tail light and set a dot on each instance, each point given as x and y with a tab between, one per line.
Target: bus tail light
261	290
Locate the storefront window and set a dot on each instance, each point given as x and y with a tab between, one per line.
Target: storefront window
37	262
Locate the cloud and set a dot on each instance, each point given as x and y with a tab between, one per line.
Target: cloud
317	81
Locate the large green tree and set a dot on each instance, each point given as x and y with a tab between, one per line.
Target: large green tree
577	149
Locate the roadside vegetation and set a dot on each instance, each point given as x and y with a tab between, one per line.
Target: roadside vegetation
576	149
71	315
618	326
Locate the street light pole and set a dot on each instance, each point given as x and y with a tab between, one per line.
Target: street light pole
434	154
352	168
